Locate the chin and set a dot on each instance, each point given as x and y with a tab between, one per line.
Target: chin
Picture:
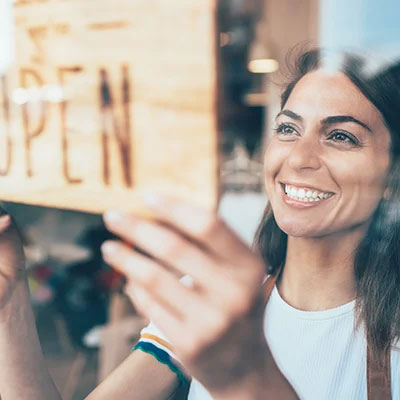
298	228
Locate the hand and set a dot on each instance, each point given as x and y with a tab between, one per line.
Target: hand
12	259
216	326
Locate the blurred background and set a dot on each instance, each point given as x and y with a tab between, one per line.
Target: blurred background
86	324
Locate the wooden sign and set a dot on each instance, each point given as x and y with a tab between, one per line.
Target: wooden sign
107	99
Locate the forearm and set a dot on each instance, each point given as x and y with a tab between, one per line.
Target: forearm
140	376
24	374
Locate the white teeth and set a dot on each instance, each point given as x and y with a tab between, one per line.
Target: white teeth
301	193
304	194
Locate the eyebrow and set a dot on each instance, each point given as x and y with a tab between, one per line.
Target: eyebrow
290	114
328	120
344	118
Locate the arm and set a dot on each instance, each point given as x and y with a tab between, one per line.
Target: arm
140	376
23	374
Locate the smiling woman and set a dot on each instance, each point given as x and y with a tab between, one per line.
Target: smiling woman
332	227
329	241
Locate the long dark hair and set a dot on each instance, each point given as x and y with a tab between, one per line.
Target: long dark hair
377	258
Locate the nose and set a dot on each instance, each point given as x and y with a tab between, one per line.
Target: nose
305	154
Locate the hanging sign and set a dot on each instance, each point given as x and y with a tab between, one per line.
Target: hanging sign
107	99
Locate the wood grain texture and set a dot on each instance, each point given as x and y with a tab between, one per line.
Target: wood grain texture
137	111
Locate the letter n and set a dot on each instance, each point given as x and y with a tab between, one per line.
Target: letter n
121	131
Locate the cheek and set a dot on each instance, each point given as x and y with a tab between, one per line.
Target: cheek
372	189
275	155
363	183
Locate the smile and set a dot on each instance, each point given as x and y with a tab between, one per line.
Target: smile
305	194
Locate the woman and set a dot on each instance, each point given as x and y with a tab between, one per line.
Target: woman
329	235
332	172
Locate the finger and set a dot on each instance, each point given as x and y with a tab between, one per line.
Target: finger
154	278
200	224
12	258
169	247
8	225
5	222
151	308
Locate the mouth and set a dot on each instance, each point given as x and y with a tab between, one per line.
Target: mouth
303	195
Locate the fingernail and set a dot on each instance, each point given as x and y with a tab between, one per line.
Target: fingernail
4	220
112	216
108	248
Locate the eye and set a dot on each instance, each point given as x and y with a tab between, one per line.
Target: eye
285	130
344	137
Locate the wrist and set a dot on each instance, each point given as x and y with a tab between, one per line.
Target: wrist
265	381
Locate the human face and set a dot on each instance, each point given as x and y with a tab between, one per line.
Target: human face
330	142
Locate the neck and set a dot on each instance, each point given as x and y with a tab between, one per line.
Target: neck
319	272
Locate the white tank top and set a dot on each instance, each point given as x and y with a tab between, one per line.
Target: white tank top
320	353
